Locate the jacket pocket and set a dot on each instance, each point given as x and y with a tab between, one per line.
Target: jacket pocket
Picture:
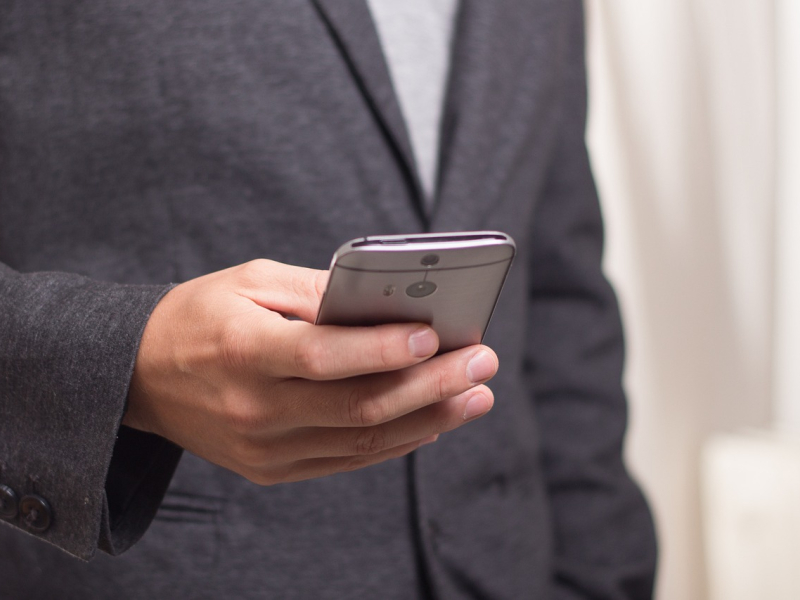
189	525
184	507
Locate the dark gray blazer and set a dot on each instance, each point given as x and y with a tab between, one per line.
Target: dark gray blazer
151	141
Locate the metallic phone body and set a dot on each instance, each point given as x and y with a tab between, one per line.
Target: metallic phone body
449	280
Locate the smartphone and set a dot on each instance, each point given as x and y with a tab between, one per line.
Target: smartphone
451	281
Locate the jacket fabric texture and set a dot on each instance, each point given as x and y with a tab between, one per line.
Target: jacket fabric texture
146	143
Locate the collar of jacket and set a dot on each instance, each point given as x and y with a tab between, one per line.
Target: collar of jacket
490	96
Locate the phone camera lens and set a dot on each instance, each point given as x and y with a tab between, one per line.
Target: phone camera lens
421	289
429	260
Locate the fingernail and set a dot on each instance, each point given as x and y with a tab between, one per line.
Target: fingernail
481	367
476	406
429	440
423	342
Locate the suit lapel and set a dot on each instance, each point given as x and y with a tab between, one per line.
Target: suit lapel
353	30
494	97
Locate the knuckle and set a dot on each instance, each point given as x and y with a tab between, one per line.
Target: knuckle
441	384
321	282
280	472
385	354
446	419
260	478
311	357
248	455
364	410
253	272
242	418
371	441
354	463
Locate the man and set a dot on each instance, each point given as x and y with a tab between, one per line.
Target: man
151	142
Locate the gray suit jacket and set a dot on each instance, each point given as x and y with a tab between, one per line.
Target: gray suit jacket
149	142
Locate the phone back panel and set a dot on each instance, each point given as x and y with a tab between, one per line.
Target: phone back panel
456	295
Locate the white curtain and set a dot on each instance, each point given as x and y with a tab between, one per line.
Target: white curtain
683	136
787	315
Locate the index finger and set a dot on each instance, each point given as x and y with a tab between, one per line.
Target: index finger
327	352
288	289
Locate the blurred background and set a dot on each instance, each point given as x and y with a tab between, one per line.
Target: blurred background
695	141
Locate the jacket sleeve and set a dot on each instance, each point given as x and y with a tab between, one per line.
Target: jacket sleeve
603	532
71	475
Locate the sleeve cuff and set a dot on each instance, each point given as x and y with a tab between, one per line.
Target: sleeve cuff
140	472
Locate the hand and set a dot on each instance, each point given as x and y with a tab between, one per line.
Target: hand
223	373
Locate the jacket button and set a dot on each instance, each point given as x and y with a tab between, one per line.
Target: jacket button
35	513
8	502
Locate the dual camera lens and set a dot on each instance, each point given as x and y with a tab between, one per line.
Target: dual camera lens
420	289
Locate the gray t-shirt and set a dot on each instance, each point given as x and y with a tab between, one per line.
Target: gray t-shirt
416	36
